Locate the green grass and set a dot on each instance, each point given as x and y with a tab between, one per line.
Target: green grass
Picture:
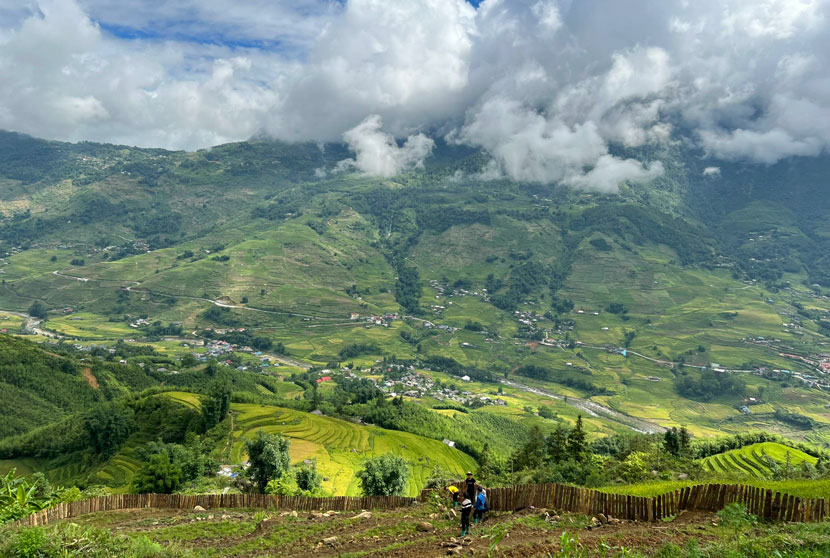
86	325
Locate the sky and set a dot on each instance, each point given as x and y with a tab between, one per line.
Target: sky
546	87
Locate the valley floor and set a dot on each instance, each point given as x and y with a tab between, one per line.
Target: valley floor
415	532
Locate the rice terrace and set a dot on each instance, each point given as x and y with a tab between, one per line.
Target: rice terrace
428	278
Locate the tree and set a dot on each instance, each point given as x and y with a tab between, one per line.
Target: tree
308	479
556	444
386	475
531	454
546	412
576	441
37	310
269	458
685	439
485	462
159	475
108	426
215	408
315	396
671	441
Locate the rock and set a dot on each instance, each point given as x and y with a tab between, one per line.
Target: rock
198	508
294	513
613	521
363	515
682	476
330	513
654	473
454	551
452	514
595	521
329	540
424	527
210	516
315	515
602	518
283	514
466	542
225	516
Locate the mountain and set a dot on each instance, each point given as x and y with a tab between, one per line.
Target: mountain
697	299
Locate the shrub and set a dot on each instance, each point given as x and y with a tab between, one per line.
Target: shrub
384	476
308	479
29	543
269	458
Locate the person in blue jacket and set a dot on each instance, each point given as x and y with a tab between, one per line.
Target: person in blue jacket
480	505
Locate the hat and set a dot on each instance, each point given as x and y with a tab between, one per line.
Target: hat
469	473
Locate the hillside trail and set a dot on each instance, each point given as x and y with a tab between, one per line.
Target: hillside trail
594	409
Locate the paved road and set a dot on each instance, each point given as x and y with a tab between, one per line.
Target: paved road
594	409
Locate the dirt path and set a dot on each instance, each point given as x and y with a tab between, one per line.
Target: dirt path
90	377
396	533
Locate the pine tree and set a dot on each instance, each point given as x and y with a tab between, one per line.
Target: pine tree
556	445
671	441
685	440
576	441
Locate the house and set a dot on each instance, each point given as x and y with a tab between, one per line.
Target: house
448	442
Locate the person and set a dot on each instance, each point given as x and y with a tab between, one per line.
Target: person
466	508
470	483
480	506
454	494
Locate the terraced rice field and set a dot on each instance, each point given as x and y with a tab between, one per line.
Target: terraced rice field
340	446
752	460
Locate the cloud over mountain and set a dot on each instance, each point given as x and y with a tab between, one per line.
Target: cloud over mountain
546	87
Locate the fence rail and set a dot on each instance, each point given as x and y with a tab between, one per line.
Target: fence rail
114	502
764	503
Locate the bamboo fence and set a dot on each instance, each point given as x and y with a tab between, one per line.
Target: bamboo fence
763	503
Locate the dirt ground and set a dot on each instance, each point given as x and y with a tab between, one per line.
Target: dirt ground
414	532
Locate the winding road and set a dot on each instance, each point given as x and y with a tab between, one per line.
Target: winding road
594	409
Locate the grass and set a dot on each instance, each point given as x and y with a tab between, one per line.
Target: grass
86	325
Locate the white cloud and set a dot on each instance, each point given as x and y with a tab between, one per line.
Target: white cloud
378	154
610	171
546	86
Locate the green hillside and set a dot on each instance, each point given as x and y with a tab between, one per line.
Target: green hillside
754	460
339	447
687	301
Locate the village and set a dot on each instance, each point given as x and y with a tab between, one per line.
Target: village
399	380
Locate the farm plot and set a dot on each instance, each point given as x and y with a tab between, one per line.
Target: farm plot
753	460
340	446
